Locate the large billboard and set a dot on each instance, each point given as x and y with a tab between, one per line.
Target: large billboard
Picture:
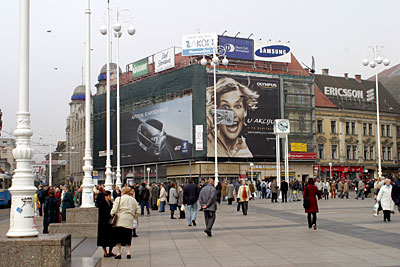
199	44
250	105
140	68
237	48
273	52
161	132
164	60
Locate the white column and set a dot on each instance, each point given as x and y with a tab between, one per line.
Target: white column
118	175
22	219
108	181
87	183
287	159
215	123
278	161
378	126
50	165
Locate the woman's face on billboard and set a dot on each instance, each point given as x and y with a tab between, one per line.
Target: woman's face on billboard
233	100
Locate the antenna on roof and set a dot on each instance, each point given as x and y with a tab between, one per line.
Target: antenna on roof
250	36
237	34
224	33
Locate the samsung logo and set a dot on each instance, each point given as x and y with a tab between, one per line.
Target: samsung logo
272	51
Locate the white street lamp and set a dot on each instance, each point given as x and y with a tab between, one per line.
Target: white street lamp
117	33
251	170
330	171
22	217
87	183
148	175
218	52
375	60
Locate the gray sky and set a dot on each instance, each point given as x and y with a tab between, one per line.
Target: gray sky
337	33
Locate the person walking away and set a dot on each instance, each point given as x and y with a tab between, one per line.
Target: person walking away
252	189
223	191
274	191
207	199
42	198
340	189
385	199
326	187
128	211
320	186
67	202
264	189
50	209
105	231
190	197
144	196
181	207
258	187
244	194
284	190
163	198
311	192
296	189
172	199
219	192
396	192
229	193
236	194
346	189
333	189
360	190
155	193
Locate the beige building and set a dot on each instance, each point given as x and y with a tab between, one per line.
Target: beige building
6	157
346	125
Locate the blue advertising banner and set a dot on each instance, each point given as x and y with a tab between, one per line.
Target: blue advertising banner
237	48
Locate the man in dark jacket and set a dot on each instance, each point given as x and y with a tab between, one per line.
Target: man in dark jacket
190	197
144	196
208	202
284	189
67	203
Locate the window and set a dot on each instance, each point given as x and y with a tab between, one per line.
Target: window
370	129
353	127
348	150
382	130
371	152
347	127
320	128
334	152
384	153
354	152
365	129
388	130
302	125
320	151
333	127
365	152
389	153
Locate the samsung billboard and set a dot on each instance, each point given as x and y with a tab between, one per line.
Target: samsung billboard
245	129
160	132
273	52
237	48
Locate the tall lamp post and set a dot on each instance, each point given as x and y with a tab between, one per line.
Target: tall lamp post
22	219
148	175
117	33
330	171
375	60
218	51
251	170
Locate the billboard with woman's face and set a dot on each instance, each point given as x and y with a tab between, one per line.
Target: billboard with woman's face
246	109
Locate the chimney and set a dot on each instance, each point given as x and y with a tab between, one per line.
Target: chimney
346	75
358	77
325	71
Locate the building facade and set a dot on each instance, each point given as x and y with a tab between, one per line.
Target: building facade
346	126
7	160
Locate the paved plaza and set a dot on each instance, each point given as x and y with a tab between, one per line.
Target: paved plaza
270	235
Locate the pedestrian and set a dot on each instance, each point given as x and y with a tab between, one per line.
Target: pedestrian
155	193
396	192
269	191
219	192
50	210
284	190
181	207
385	199
223	191
340	189
326	187
190	197
252	189
163	198
128	211
244	194
78	197
144	196
360	190
311	193
296	189
333	189
116	192
132	194
105	231
41	197
346	189
236	194
229	193
99	197
172	199
320	186
274	191
207	199
67	202
258	187
264	189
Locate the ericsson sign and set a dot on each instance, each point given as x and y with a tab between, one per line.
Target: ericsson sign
342	92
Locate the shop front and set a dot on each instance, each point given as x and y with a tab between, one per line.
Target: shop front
343	173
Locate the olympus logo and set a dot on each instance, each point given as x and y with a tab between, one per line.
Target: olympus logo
267	84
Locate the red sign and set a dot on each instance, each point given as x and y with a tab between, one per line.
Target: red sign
302	155
343	169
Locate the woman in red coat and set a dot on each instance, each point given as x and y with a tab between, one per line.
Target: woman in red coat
312	191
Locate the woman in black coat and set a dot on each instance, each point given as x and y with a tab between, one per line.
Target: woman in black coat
105	230
51	210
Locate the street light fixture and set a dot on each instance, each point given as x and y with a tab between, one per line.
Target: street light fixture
148	175
218	51
330	171
118	33
373	62
251	170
